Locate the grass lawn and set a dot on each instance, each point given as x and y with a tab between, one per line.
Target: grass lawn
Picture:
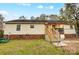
29	47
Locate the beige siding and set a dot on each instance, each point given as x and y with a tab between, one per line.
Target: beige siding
59	26
25	29
68	30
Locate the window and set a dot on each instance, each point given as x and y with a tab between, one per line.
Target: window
18	27
31	25
61	30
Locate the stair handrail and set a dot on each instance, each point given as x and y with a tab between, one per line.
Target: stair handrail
50	35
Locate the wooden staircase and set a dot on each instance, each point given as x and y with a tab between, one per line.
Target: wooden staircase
52	35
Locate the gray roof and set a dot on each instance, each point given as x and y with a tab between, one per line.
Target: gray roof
33	21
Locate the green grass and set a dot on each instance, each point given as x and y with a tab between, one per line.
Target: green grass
29	47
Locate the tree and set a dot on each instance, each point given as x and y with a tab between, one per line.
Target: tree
37	18
53	17
42	17
68	13
32	18
77	21
22	17
71	14
1	26
62	16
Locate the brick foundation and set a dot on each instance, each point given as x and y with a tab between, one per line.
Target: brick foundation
70	36
24	36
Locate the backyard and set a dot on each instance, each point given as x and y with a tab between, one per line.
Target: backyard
30	47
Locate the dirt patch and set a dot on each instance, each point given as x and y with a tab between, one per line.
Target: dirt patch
72	47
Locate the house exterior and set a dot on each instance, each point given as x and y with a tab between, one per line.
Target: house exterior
32	29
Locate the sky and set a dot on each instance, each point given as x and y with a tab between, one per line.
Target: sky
12	11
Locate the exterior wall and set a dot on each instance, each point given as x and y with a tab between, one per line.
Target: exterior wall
68	32
3	26
37	31
10	29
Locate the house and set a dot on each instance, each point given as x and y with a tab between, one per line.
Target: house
32	29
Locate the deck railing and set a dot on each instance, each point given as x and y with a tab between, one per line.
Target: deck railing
53	36
49	33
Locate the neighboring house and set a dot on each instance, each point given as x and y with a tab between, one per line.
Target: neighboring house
31	29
